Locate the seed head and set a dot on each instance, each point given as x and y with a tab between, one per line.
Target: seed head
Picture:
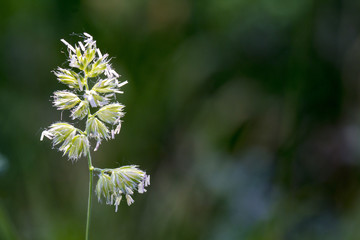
86	61
97	103
114	183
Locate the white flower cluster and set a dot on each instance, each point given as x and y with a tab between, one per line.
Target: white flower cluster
93	100
86	61
114	183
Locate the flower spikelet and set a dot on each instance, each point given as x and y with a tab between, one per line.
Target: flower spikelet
81	110
125	180
111	113
95	99
78	146
108	86
73	144
68	77
59	132
65	100
97	129
99	65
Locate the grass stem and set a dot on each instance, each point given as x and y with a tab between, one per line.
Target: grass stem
91	169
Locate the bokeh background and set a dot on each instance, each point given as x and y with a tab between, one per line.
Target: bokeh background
246	114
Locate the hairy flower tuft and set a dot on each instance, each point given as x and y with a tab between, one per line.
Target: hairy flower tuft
69	77
78	146
65	100
97	129
81	110
59	132
95	99
113	183
99	65
73	144
111	113
110	85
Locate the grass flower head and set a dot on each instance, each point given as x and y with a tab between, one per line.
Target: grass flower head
93	86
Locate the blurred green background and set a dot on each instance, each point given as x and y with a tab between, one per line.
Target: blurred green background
245	113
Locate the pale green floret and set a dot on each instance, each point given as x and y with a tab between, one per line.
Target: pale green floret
113	183
80	111
65	100
89	55
99	65
97	68
73	145
104	187
78	146
61	132
84	58
81	56
81	61
110	113
107	86
68	77
130	174
97	129
95	99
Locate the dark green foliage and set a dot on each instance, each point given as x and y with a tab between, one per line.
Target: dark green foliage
245	114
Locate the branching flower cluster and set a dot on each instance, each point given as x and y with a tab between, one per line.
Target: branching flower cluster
93	85
113	183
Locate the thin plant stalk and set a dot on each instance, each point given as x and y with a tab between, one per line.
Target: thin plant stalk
91	169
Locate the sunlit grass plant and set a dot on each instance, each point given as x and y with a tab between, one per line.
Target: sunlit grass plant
93	85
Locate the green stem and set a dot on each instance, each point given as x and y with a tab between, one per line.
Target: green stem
86	82
91	169
103	169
